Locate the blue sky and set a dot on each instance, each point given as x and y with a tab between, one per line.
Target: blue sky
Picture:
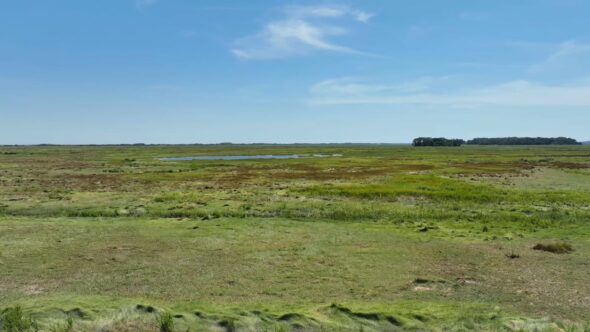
187	71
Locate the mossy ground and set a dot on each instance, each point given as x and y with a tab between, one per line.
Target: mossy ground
384	237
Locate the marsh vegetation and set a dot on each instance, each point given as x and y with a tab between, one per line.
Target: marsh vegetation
383	237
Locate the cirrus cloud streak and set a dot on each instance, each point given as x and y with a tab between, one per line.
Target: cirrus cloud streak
517	93
302	31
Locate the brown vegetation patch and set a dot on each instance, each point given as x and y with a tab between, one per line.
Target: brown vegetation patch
570	165
416	167
33	290
556	248
335	173
493	167
83	182
236	176
298	172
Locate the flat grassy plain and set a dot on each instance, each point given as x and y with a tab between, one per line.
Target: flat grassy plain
382	238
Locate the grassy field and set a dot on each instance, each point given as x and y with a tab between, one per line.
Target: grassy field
384	237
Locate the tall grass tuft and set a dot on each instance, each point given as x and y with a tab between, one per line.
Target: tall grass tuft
165	322
15	320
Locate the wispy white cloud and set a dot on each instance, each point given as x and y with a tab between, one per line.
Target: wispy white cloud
562	78
352	87
287	38
514	93
303	12
567	54
303	30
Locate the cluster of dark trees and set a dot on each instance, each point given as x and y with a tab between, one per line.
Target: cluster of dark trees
441	141
437	141
524	141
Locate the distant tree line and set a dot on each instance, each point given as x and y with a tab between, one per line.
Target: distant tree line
437	141
524	141
441	141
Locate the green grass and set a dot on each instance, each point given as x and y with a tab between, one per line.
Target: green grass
385	237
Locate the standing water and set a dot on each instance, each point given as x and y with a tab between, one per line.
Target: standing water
244	157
